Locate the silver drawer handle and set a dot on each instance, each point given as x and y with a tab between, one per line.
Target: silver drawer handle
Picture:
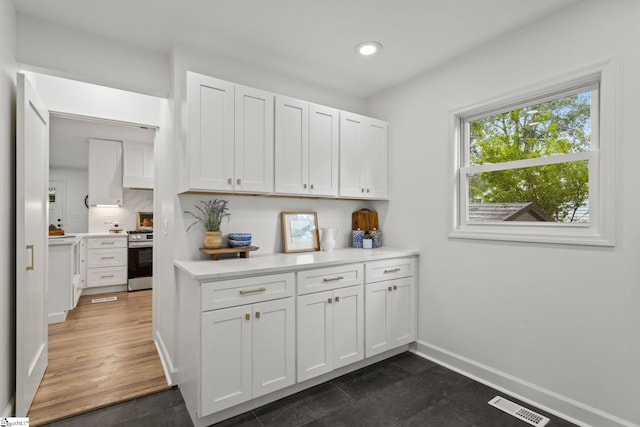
107	276
107	257
251	291
107	243
395	270
332	279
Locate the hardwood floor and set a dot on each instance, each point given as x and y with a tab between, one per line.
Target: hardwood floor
101	355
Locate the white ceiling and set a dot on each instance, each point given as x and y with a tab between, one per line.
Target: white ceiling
69	139
311	40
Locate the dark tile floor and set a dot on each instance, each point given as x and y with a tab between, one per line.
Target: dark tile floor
405	390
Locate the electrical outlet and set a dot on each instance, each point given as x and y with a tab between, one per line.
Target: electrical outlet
108	219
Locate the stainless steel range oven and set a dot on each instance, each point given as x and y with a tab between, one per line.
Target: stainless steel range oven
140	265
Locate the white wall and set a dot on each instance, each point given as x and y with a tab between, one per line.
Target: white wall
76	214
8	70
134	201
556	324
43	46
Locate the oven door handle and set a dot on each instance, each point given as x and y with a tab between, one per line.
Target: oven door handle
140	244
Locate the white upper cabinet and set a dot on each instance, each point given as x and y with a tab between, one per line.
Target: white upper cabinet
253	140
229	136
138	165
210	131
105	172
364	167
306	148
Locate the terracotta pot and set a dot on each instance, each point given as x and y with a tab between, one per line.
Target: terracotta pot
213	239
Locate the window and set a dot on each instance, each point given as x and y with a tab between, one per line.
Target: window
538	165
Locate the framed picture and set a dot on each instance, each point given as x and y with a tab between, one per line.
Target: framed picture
300	231
144	221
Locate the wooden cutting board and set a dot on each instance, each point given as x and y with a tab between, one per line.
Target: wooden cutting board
364	219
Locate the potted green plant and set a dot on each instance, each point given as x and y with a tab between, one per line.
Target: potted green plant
367	241
210	215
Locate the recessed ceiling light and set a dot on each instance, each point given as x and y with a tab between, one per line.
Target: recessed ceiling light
368	48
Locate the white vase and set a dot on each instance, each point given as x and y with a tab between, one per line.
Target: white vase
328	238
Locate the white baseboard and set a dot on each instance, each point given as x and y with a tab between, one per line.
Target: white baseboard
544	399
170	371
58	317
8	411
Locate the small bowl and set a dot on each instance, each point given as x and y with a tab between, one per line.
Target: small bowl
239	243
240	236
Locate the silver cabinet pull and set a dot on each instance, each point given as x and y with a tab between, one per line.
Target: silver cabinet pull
107	243
251	291
229	181
304	186
332	279
107	257
30	266
238	181
368	190
362	190
394	270
312	186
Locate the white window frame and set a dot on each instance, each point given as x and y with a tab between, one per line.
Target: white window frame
600	230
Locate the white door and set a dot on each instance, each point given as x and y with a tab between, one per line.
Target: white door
348	326
376	167
274	349
402	330
253	147
292	145
323	150
315	335
57	202
225	369
376	318
32	179
350	155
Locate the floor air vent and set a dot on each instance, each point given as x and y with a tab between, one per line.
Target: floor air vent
105	299
518	411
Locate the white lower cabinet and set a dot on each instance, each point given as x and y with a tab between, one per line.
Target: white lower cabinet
390	305
106	261
247	339
247	351
330	330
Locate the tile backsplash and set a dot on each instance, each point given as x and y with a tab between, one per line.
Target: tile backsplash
134	201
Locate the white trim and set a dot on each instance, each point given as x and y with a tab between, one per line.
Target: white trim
600	231
8	410
547	400
170	371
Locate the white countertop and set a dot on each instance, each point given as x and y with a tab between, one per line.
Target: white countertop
71	238
277	263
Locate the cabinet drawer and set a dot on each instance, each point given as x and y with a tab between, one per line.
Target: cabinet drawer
389	269
106	276
106	242
324	279
229	293
106	257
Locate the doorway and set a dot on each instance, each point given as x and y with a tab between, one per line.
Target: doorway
103	353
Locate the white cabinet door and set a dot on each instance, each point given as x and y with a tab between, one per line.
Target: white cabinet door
330	330
364	166
138	165
389	315
273	345
292	146
402	312
376	154
307	148
253	140
323	150
315	335
226	366
348	326
376	318
105	172
210	133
